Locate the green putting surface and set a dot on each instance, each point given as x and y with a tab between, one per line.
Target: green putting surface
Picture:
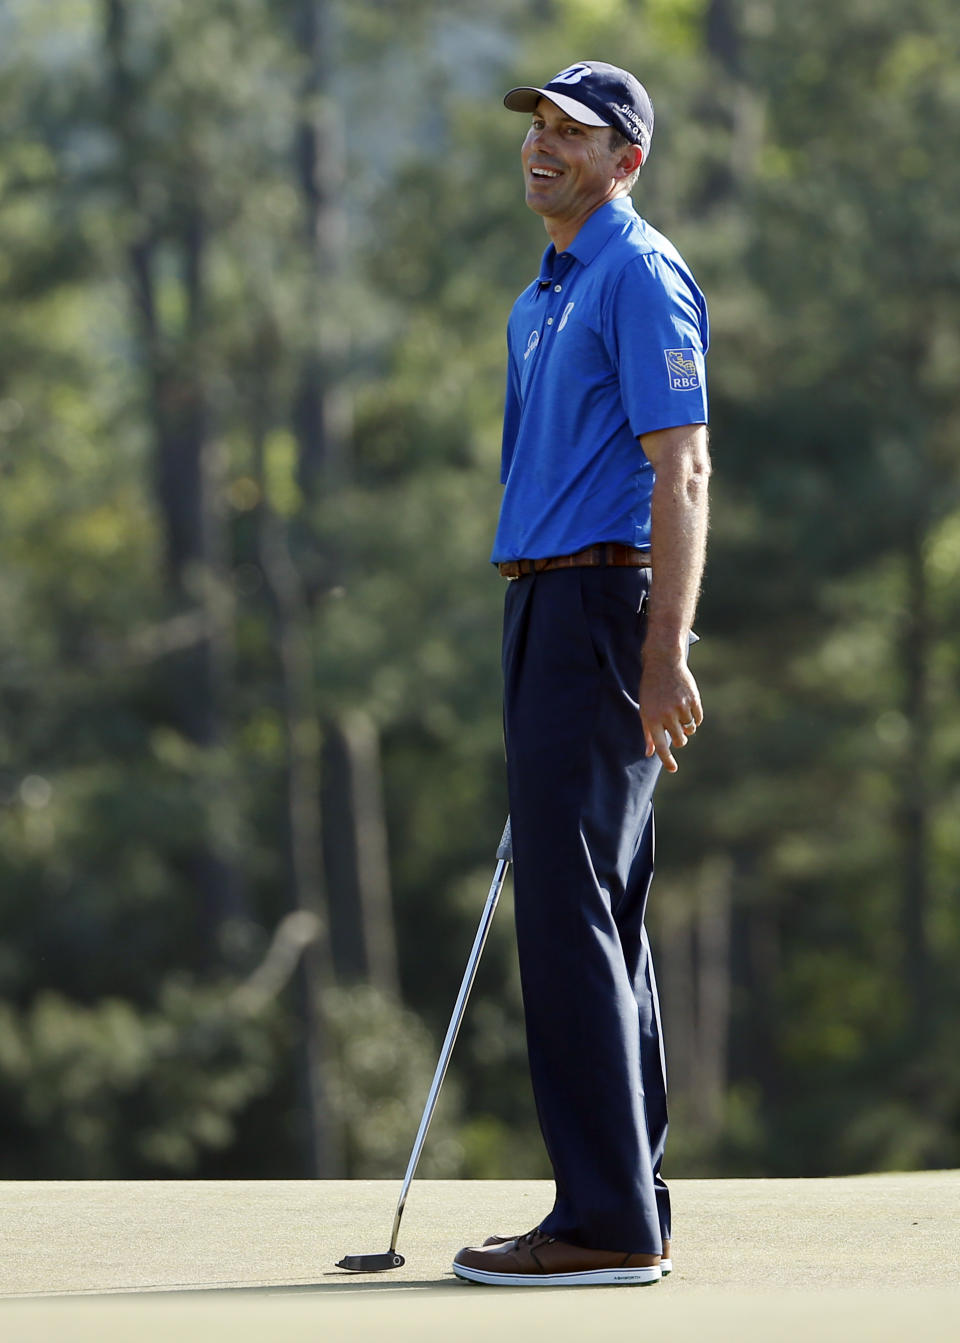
865	1258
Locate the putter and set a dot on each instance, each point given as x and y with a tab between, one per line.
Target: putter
377	1263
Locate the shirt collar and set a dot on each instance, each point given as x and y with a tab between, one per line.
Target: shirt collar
593	235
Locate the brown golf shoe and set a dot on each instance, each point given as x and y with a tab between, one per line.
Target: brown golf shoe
537	1260
666	1264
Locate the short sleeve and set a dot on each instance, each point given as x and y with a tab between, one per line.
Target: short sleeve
657	334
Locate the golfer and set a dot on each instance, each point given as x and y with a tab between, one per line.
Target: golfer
601	538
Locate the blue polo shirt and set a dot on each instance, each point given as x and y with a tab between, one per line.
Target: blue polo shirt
606	345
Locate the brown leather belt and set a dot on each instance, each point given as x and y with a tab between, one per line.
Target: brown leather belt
610	554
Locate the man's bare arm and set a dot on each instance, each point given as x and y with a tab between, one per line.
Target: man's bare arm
669	697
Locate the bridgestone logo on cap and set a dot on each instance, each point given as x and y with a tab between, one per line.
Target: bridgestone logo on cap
633	119
572	75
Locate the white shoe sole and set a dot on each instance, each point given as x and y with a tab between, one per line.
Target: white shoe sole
635	1277
666	1266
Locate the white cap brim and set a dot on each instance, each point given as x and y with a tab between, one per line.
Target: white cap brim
525	99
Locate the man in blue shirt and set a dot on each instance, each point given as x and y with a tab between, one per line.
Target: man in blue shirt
602	535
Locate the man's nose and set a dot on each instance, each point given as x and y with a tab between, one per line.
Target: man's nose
541	137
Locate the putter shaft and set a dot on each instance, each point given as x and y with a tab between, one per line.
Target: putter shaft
376	1263
504	856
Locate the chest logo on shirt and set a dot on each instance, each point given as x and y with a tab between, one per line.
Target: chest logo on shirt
566	313
682	370
532	343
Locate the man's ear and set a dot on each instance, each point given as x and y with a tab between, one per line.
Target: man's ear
629	161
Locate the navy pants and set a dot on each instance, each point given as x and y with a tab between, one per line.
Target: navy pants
581	803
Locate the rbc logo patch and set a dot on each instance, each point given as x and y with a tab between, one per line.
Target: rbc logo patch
682	370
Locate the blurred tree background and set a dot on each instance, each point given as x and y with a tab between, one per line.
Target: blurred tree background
255	263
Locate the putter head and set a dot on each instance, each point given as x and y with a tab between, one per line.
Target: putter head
370	1263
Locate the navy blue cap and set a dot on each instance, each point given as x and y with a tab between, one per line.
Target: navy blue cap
595	94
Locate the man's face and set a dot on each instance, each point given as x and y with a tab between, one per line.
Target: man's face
568	168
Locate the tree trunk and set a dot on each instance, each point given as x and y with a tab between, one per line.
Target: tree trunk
915	803
694	954
735	101
303	845
322	411
677	982
762	1033
354	830
185	482
713	990
358	870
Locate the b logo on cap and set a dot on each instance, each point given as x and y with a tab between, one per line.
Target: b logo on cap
572	75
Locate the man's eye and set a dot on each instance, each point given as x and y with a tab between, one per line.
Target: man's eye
573	130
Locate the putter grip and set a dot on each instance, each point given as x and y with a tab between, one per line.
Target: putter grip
505	847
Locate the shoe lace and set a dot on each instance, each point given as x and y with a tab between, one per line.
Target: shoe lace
536	1237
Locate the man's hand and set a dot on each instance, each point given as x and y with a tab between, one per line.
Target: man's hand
670	708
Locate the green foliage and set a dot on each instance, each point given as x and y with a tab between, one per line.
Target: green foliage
384	1064
108	1091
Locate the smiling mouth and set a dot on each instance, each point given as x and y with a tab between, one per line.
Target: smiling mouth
545	173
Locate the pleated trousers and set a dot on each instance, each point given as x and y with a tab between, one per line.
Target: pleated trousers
581	803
